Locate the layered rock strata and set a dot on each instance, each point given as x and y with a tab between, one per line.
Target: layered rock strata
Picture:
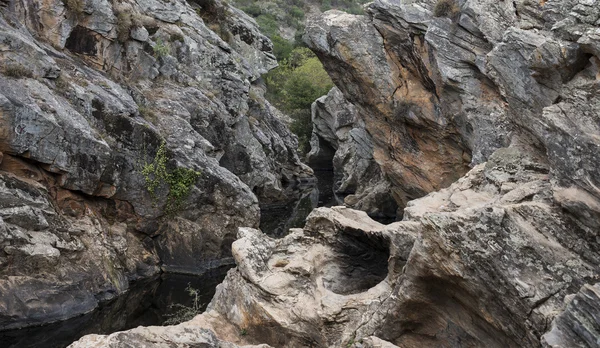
441	85
340	142
132	137
487	262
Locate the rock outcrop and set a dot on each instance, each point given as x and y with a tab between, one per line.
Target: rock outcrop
487	262
440	93
182	336
488	113
340	141
133	137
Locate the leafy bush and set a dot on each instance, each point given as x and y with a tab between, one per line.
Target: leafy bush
446	8
253	10
294	86
179	181
268	25
160	49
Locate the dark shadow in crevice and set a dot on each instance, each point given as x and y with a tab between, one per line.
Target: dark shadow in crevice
360	262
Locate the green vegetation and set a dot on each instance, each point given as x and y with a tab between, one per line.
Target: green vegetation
298	81
179	181
446	8
300	78
185	313
160	49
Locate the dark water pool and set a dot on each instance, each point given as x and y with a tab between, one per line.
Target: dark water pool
146	303
276	220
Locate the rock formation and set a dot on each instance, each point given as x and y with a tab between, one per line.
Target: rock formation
133	135
487	262
340	141
488	113
441	93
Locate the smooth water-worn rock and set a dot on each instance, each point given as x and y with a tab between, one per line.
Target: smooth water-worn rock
186	336
134	136
487	262
358	178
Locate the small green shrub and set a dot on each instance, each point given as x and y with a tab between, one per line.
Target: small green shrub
17	71
446	8
179	181
185	313
160	49
253	10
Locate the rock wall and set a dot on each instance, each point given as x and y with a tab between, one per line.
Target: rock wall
133	136
439	93
340	142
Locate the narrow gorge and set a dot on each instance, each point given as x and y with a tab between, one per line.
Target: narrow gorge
462	136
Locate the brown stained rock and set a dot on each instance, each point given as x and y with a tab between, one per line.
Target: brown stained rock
416	148
340	141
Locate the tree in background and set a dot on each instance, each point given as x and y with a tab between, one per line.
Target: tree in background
300	78
294	86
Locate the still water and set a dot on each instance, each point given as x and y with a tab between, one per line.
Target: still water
149	302
146	303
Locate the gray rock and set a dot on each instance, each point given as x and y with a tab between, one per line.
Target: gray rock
577	325
187	336
357	177
86	110
139	34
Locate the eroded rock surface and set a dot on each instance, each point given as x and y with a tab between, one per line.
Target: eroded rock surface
440	94
183	336
486	262
340	141
107	112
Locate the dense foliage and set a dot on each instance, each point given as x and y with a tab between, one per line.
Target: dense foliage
300	78
294	86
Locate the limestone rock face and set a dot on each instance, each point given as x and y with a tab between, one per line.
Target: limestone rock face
340	140
132	135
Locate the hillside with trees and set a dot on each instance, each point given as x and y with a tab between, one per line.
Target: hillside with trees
300	78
